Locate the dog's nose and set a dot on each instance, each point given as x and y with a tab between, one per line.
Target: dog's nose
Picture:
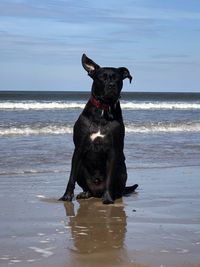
111	86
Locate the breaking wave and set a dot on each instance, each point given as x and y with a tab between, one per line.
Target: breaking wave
193	127
128	105
35	105
35	130
159	105
58	129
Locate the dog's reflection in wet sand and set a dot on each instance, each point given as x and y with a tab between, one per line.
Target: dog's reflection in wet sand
96	227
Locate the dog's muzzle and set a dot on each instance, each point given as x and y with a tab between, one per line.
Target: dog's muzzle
112	93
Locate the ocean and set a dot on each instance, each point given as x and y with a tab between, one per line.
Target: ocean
162	130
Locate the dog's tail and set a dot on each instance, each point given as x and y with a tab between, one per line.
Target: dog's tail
129	189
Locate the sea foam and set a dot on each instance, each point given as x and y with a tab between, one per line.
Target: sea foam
128	105
129	128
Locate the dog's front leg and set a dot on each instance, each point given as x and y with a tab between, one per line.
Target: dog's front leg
110	167
76	162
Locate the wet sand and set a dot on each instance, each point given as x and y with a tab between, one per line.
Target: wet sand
159	226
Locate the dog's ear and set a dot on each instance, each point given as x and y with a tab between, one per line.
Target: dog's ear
125	73
90	66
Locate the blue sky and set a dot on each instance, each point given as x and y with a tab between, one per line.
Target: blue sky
41	43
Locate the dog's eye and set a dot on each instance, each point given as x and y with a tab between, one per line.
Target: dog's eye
113	77
105	77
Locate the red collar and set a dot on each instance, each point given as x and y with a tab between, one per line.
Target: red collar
98	104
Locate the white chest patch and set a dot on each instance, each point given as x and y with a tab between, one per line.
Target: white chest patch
95	135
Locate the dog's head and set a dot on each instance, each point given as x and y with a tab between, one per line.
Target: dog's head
107	82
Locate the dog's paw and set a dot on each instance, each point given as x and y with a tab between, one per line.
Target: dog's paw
84	195
107	199
67	197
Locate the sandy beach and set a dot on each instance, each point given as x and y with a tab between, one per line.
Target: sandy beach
156	227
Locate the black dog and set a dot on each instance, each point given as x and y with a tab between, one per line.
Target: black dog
98	163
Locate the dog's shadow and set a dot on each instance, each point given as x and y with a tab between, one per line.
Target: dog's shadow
96	227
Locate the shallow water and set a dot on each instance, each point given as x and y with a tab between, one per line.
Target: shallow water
162	130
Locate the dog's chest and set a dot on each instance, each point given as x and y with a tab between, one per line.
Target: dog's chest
97	134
